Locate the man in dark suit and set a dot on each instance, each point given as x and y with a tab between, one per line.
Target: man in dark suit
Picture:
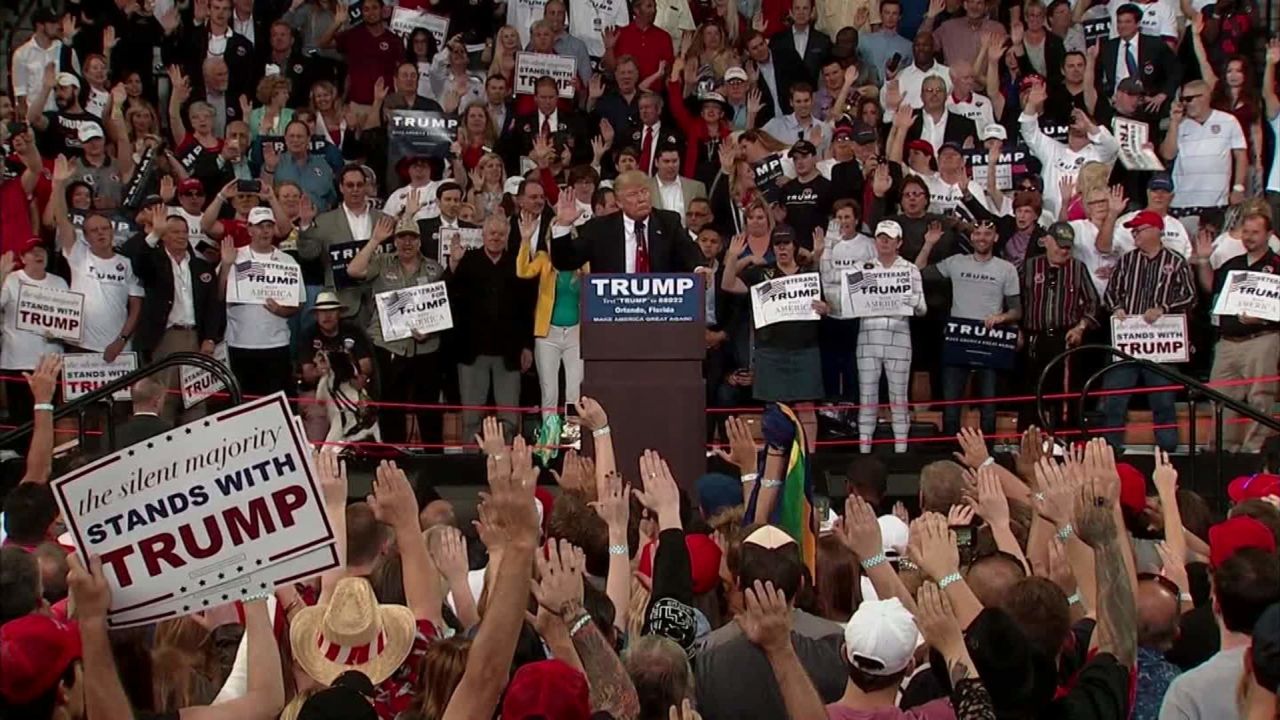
803	40
550	120
448	199
639	239
775	72
1142	57
531	202
148	396
956	127
190	46
181	310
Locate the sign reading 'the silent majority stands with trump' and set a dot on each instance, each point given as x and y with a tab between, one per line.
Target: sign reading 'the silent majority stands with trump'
530	66
214	511
85	372
50	312
421	309
650	297
1164	341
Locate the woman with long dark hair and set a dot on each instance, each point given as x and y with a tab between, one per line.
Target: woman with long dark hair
1235	92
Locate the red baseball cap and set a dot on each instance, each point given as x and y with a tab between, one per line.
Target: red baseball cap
920	146
34	652
190	184
1238	533
704	561
549	690
1145	219
30	244
1029	80
1133	487
1249	487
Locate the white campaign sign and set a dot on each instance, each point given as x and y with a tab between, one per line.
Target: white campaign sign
85	372
198	385
404	21
878	292
785	299
1254	294
1164	341
257	281
424	308
50	312
531	66
205	509
1136	151
471	238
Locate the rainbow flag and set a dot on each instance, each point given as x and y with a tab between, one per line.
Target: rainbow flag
794	511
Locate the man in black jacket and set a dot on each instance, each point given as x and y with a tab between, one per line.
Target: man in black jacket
190	45
493	323
956	127
148	396
432	230
1143	57
639	239
181	311
807	43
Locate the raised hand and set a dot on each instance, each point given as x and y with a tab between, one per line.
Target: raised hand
882	181
991	503
932	546
660	494
449	552
937	621
1165	476
1030	450
567	210
1094	521
492	439
766	617
973	448
742	446
755	102
392	500
591	414
858	530
43	381
1053	501
614	505
331	471
960	516
90	593
559	584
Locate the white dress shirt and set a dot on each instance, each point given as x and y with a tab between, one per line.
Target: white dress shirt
552	120
629	242
672	194
218	43
243	26
361	224
183	312
1122	67
933	132
801	39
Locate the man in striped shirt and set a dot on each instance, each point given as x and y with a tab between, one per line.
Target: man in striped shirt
1152	281
1059	304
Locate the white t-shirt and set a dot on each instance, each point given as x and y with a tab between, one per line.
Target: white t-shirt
427	205
589	18
195	234
1086	251
21	349
1058	160
29	61
843	255
910	79
978	109
107	285
522	14
253	327
1226	246
1175	234
1202	169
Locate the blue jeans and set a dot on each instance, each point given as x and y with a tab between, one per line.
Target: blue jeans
1114	407
953	381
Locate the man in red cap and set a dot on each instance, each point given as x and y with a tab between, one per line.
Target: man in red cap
41	676
1152	281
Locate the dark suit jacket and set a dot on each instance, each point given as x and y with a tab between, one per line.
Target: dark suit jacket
492	307
958	129
788	70
601	241
816	51
513	233
1158	68
155	274
189	46
430	231
519	141
139	428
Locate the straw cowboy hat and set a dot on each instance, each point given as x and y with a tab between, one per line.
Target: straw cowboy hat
353	632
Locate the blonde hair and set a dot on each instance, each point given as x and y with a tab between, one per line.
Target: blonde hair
758	204
1092	176
294	706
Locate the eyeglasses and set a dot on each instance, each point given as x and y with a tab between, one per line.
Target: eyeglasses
913	193
1189	98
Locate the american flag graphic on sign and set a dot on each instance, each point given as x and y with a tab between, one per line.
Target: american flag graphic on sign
399	300
1244	281
856	280
250	267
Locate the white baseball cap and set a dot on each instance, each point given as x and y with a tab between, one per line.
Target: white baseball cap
735	73
881	637
261	215
994	131
89	131
890	228
66	78
893	535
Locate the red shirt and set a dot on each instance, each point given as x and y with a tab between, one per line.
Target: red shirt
376	56
396	694
237	230
649	47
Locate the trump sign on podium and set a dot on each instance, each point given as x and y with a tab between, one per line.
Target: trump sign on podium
210	512
649	297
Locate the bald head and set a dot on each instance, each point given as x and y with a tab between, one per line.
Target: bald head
1158	615
992	577
147	395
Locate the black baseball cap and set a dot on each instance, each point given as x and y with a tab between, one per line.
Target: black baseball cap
44	14
1063	234
783	234
804	147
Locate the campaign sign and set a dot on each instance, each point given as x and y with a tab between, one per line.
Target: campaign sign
1163	341
876	292
471	238
1254	294
340	254
785	299
82	373
404	21
257	281
421	308
970	343
210	504
644	298
1010	164
530	66
424	133
198	384
50	312
768	174
1096	30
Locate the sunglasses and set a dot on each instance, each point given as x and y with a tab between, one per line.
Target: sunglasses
1189	98
913	193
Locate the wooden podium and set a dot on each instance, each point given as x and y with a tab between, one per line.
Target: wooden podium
643	344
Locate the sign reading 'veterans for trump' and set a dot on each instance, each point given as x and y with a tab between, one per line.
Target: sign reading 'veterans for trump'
210	512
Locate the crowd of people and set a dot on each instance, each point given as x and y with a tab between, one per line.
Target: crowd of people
234	178
1041	170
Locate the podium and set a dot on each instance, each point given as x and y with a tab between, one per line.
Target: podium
643	344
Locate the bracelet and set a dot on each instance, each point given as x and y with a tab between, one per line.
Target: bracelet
601	432
1065	532
877	559
43	406
946	580
620	549
750	477
986	462
1074	599
579	624
905	564
767	483
1186	597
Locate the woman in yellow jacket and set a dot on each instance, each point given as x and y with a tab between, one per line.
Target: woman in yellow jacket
555	321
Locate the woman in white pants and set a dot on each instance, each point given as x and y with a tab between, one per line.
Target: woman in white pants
884	344
555	322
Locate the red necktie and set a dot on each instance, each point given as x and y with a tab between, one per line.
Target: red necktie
642	248
546	127
646	149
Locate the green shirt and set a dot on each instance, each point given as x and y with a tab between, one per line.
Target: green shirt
564	313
